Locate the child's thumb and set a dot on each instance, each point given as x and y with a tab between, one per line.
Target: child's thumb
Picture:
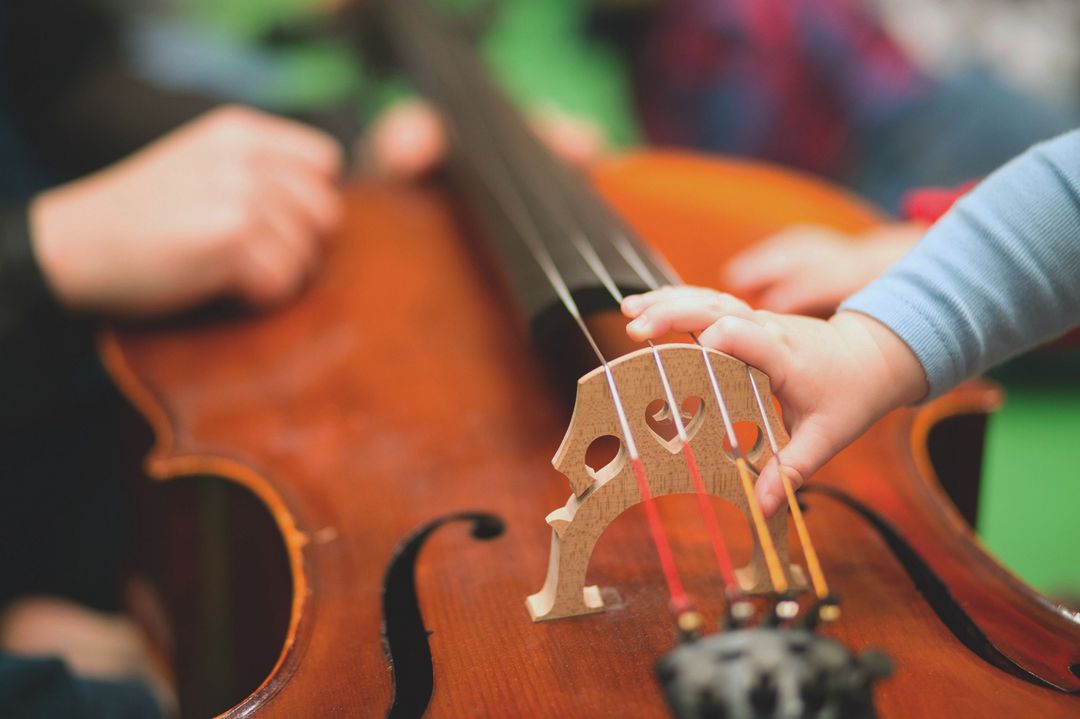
798	461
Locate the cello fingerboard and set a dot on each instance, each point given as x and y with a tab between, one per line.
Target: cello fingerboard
518	189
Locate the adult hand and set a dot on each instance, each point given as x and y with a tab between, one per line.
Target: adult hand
809	269
236	203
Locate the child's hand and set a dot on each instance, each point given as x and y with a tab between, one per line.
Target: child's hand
810	269
833	378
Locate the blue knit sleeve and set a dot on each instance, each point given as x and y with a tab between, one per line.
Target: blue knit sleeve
997	275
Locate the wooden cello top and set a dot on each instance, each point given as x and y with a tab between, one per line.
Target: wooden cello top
399	391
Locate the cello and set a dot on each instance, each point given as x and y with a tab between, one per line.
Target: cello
399	428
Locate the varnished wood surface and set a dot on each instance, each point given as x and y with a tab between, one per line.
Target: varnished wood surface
398	389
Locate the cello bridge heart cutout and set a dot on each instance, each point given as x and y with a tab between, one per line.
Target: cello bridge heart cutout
662	425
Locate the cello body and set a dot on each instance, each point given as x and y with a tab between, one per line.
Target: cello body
398	426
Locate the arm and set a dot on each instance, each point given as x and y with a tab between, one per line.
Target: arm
999	274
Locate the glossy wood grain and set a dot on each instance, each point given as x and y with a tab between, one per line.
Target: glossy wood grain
400	389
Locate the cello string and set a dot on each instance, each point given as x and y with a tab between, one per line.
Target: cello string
630	255
772	560
776	575
817	574
516	210
588	253
716	536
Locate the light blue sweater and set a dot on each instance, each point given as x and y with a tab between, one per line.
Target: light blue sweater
997	275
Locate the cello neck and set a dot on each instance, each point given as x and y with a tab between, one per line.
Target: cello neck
523	194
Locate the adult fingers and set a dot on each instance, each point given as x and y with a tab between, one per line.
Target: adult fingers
289	229
406	141
273	262
316	200
278	137
576	140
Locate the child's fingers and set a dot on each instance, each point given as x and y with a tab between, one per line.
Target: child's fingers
803	455
752	343
684	314
770	490
634	305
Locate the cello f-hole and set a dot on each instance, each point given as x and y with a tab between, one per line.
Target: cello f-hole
405	638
